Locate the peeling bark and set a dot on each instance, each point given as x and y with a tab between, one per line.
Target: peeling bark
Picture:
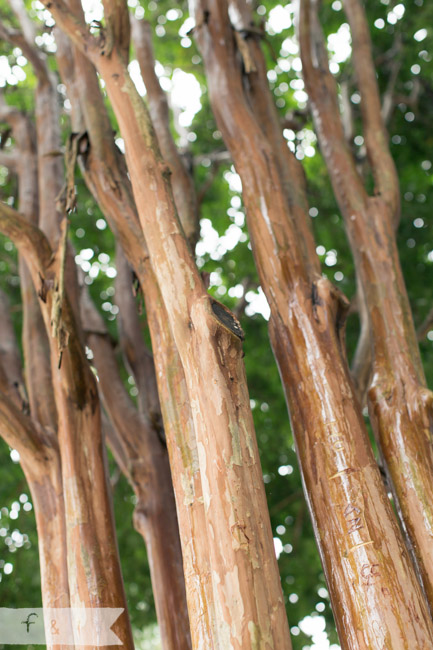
367	567
181	181
105	174
400	406
145	462
92	556
245	581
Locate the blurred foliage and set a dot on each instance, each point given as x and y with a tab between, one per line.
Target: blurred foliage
402	41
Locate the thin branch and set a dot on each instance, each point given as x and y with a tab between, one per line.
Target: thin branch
376	137
262	104
388	99
347	112
10	358
182	182
115	443
136	355
210	178
15	37
27	238
21	433
322	92
118	404
27	25
425	326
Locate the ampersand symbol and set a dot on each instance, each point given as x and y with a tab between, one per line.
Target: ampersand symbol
54	629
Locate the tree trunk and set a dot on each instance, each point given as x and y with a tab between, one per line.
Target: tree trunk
361	547
400	406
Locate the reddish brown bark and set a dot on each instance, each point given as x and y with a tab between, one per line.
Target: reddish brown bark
181	181
105	174
40	460
400	405
245	580
137	357
37	444
93	564
143	458
366	564
34	339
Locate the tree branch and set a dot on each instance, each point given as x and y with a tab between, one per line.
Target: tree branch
425	326
10	359
22	434
182	182
15	37
262	104
136	355
376	137
9	159
27	238
322	92
27	25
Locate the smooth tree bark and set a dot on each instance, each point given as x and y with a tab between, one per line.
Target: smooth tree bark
93	565
94	577
182	183
399	403
249	607
145	459
231	578
30	426
40	460
105	174
367	566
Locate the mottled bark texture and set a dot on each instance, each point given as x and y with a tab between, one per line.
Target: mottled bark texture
139	450
75	496
367	566
33	434
93	565
400	406
249	607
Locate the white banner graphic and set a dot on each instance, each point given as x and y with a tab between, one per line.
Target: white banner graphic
63	626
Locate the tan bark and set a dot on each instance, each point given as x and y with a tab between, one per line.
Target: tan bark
368	569
119	208
182	448
181	181
245	581
34	339
41	466
93	564
105	174
145	462
40	460
137	357
400	405
107	180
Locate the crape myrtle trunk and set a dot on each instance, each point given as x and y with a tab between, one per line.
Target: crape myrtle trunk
367	566
246	591
399	403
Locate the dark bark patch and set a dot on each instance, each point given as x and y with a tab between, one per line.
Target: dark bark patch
228	319
315	297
